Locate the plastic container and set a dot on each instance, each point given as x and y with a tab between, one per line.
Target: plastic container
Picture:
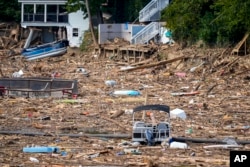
41	149
17	74
127	92
175	144
178	113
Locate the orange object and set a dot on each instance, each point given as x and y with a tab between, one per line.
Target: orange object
148	113
85	113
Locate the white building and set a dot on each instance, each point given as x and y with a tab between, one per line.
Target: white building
49	21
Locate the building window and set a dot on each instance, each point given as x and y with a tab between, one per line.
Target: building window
75	32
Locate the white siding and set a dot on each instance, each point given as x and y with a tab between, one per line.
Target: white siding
76	21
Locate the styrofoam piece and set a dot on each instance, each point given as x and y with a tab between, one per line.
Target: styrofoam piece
175	144
178	113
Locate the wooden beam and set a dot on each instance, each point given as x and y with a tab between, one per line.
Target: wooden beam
155	64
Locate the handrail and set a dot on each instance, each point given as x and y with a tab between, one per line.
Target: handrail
151	9
148	5
147	33
147	10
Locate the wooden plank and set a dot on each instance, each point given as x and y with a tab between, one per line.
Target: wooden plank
239	45
155	64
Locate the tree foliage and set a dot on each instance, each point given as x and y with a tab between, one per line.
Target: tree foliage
213	21
10	10
94	5
121	10
232	18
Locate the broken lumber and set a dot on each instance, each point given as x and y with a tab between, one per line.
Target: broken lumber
117	114
155	64
239	45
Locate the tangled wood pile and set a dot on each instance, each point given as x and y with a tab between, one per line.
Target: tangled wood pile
12	38
95	129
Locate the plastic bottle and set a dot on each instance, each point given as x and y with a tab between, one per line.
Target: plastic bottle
127	92
41	149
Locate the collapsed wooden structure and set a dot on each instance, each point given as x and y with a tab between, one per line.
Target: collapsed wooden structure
127	52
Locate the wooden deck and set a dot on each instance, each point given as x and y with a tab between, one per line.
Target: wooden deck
130	53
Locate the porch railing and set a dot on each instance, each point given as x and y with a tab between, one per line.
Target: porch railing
151	12
146	34
31	17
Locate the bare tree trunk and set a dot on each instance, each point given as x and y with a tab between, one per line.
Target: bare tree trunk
90	23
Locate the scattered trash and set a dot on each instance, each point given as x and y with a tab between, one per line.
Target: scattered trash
17	74
126	92
129	111
230	141
64	153
175	144
32	159
110	83
120	153
41	149
246	127
74	96
178	113
180	74
184	87
132	151
135	143
124	143
45	118
93	155
166	36
191	101
189	131
83	71
55	75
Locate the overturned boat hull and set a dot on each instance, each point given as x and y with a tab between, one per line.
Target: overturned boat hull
51	49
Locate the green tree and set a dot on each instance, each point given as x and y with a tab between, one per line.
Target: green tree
10	10
121	10
184	18
213	21
232	19
94	6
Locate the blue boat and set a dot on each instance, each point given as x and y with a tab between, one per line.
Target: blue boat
46	50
